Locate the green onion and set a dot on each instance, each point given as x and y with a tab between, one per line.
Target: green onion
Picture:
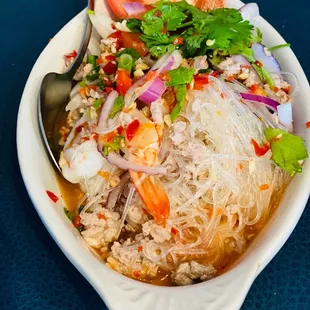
130	51
118	106
83	84
264	75
97	104
90	12
125	62
273	48
81	208
91	59
100	84
70	214
92	77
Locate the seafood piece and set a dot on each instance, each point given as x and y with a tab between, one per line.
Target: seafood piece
142	144
81	161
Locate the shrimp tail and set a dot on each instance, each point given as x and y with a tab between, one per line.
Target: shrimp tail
153	196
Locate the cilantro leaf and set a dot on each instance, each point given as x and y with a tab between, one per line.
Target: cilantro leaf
287	149
258	37
180	76
97	103
160	50
134	24
180	98
118	106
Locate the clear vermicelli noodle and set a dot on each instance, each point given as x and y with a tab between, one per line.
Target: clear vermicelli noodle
177	153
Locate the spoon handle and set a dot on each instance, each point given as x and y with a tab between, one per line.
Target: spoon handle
83	48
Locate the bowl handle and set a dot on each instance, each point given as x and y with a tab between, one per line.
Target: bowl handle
226	292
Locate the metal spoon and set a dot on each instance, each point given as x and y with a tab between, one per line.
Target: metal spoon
54	96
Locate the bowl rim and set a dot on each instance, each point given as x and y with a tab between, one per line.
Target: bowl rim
26	174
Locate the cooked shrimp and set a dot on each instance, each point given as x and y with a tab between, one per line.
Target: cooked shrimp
142	144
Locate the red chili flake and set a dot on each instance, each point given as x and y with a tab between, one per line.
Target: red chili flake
308	124
95	136
110	68
79	128
140	248
109	89
52	196
145	211
264	187
93	87
158	13
113	26
258	64
275	89
246	66
215	73
132	129
200	81
137	273
76	221
101	216
287	90
260	150
222	95
120	129
178	41
73	54
110	58
119	40
174	231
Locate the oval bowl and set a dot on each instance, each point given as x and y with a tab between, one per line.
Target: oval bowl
227	291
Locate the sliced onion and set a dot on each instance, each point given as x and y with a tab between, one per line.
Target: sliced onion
285	115
168	61
102	23
154	92
270	103
117	160
104	116
133	8
165	63
249	11
266	58
114	195
80	122
75	90
74	103
106	110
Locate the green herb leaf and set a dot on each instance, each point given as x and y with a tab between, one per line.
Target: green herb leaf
273	48
287	149
160	50
180	99
100	84
83	83
92	77
180	76
118	106
134	24
130	51
258	37
81	209
70	214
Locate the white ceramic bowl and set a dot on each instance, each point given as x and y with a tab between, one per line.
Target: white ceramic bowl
227	291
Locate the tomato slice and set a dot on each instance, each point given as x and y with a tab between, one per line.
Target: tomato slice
132	40
118	9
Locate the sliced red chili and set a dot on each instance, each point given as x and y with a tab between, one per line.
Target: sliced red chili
52	196
120	129
123	82
260	150
110	58
132	129
76	221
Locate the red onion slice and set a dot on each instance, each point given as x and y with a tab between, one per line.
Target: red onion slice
117	160
270	103
266	58
133	8
153	92
249	11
